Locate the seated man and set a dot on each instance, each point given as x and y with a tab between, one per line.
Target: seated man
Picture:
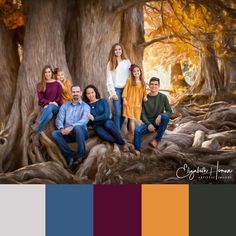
71	122
153	115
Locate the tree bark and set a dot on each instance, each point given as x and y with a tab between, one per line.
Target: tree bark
132	33
96	29
42	45
9	65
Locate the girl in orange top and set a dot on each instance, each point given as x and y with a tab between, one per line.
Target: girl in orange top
133	94
65	84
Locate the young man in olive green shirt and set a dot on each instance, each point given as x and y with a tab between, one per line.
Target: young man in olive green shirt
155	115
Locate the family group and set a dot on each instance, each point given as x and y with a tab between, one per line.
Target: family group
75	110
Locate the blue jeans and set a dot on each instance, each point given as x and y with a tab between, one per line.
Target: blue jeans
143	129
118	108
46	115
108	132
79	134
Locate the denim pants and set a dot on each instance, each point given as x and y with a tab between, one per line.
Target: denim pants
143	129
118	108
108	132
79	134
46	115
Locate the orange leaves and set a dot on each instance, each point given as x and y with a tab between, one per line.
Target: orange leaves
14	20
12	14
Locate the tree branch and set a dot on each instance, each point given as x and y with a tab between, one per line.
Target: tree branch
146	44
130	3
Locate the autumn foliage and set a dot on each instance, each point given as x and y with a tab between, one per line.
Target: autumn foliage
11	14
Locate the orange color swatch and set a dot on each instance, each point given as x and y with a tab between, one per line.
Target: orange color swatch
165	210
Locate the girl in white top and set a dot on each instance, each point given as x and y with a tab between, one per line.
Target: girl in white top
117	75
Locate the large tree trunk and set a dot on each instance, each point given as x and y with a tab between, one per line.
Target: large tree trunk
97	28
100	24
209	83
56	32
9	65
228	64
43	44
132	34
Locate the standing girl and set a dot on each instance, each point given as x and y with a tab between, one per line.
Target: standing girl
117	75
133	94
49	98
65	84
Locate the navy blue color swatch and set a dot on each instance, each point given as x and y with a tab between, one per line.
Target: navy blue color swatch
69	210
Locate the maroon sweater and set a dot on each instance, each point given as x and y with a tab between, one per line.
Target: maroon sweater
52	94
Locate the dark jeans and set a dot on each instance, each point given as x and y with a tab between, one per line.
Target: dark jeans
108	132
118	108
79	134
143	129
46	115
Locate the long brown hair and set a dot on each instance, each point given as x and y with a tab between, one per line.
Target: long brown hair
42	85
132	76
113	63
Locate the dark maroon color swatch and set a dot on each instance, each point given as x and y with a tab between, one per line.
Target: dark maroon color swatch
117	210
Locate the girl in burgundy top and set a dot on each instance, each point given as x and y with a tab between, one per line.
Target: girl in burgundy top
49	98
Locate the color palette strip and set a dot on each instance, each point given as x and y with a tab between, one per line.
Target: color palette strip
127	210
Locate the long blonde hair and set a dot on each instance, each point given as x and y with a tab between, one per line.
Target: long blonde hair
42	85
132	66
113	63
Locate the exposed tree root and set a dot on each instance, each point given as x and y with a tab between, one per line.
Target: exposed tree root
195	139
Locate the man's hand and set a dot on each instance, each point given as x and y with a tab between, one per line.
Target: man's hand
158	120
67	130
151	128
115	97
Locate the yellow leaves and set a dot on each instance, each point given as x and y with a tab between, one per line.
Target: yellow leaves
191	24
225	13
217	45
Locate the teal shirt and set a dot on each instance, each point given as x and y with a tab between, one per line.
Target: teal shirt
154	106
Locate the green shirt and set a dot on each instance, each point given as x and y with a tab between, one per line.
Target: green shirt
154	106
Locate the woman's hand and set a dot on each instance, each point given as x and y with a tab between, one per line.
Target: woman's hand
115	97
90	116
145	98
124	101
